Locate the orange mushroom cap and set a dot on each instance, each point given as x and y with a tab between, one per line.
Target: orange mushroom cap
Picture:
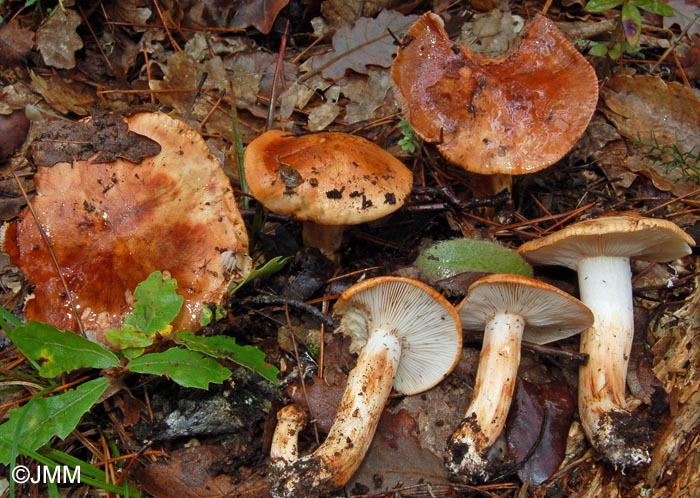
112	224
325	178
514	114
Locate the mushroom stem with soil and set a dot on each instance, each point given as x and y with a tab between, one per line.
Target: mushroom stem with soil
412	340
509	307
600	251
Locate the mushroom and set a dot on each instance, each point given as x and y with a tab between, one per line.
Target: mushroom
509	308
600	251
111	224
410	338
509	115
284	449
327	180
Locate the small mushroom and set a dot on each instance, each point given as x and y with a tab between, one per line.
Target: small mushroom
326	180
410	338
111	224
284	449
508	308
509	115
600	251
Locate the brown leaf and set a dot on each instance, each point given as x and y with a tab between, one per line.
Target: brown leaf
396	459
257	13
57	39
107	136
538	425
13	131
15	42
62	97
186	474
320	399
645	108
346	12
366	43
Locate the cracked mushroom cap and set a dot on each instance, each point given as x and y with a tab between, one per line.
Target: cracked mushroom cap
325	178
112	224
550	314
628	236
426	323
511	115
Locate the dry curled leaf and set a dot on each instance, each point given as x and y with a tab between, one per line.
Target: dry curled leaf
57	39
366	43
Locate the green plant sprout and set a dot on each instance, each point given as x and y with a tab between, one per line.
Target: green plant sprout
408	142
628	30
672	157
192	362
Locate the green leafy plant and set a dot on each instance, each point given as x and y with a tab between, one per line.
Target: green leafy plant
192	362
671	156
629	28
408	142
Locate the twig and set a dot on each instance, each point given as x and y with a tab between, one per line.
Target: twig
278	301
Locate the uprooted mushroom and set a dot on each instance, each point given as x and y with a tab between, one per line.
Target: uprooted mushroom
326	180
509	115
508	308
110	223
410	338
600	251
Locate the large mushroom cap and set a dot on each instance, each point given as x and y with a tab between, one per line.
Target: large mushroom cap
425	322
326	178
510	115
550	314
112	224
629	236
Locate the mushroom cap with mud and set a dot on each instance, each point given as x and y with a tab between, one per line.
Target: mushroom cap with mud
112	224
507	307
511	115
326	178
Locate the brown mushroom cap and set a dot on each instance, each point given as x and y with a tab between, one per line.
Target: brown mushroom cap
112	224
513	114
326	178
550	314
628	236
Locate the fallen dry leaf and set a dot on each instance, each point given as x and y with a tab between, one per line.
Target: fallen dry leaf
57	39
15	42
538	426
685	15
62	97
346	12
645	108
366	43
258	13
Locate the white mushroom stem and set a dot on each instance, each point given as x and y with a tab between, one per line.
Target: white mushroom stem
467	454
334	462
605	284
291	419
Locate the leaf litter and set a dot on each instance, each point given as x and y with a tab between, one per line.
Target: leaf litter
338	79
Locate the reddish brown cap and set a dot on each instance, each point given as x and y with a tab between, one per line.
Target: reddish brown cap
326	178
112	224
513	114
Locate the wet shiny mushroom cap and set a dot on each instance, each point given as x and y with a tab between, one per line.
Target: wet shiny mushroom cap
325	178
511	115
112	224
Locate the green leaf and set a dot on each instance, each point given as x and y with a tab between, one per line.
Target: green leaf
598	50
631	24
451	257
128	337
55	351
272	266
655	7
34	424
221	346
8	320
602	5
157	304
187	368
